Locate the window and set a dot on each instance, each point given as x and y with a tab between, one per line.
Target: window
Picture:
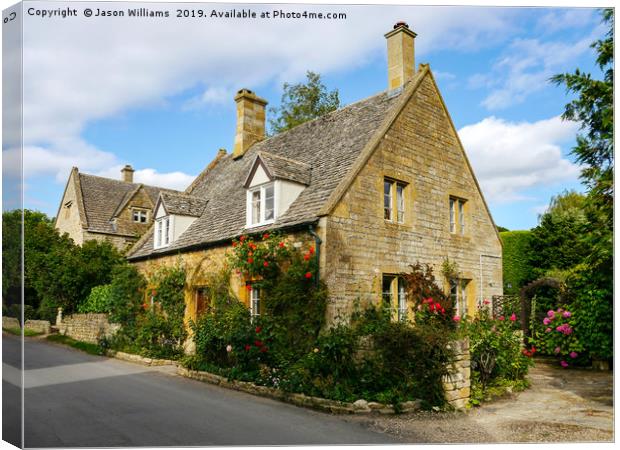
458	294
261	204
139	215
254	302
163	232
387	200
203	302
457	215
394	296
68	209
393	203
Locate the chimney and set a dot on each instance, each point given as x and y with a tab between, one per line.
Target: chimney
400	51
250	121
127	173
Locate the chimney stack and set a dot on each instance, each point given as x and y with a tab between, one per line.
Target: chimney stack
400	52
127	173
250	121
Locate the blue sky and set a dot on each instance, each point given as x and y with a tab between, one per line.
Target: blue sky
158	94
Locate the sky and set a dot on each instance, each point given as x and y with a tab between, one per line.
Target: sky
157	93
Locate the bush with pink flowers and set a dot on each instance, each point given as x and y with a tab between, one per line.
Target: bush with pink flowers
555	336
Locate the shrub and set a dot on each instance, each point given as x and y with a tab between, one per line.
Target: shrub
555	335
98	301
515	260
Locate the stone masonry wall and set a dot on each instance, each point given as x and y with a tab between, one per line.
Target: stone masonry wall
41	326
68	218
457	385
422	151
10	322
86	327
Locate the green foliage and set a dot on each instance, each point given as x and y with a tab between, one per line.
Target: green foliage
126	295
303	102
557	334
98	301
87	347
496	349
515	259
17	331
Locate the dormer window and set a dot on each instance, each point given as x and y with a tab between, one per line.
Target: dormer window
140	215
162	232
261	202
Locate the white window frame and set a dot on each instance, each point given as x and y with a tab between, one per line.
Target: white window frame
461	204
164	233
262	205
452	215
458	295
457	215
400	202
388	212
254	302
396	198
395	298
402	300
139	214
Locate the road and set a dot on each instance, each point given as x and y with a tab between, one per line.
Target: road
75	399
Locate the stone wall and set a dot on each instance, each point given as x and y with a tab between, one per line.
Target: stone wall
41	326
457	385
10	322
86	327
422	152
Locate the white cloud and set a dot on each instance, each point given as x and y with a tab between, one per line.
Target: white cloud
170	180
509	157
525	68
79	71
562	19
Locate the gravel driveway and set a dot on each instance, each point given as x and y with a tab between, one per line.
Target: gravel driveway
562	405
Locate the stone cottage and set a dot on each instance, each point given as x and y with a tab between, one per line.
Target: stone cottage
103	209
376	186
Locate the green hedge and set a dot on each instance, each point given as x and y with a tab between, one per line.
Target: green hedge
516	267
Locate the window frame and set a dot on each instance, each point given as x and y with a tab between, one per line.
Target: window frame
262	204
396	213
140	213
458	295
255	302
395	299
164	227
458	216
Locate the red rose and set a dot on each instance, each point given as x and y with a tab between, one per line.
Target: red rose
306	257
258	329
266	236
263	349
144	306
234	243
247	347
501	318
443	311
308	275
281	244
242	238
265	264
252	246
248	287
258	343
312	250
250	260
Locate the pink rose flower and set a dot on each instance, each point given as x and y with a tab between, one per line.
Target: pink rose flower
501	318
557	350
513	317
548	330
564	364
456	319
566	314
573	354
546	321
551	313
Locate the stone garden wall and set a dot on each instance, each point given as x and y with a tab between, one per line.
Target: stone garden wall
41	326
457	385
10	322
86	327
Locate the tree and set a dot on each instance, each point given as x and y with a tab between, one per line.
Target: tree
593	108
303	102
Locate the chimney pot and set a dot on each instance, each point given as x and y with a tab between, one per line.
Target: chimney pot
401	55
127	173
250	121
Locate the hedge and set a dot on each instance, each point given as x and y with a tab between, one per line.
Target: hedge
516	267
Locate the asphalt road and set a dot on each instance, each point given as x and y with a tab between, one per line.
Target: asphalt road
77	400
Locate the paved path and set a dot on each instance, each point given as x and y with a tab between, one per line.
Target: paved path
562	405
75	399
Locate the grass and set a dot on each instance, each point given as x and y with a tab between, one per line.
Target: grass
18	331
92	349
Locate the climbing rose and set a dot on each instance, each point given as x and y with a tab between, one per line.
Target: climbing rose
258	329
456	318
548	330
281	244
557	350
266	236
306	257
566	314
234	244
546	321
263	349
250	260
487	302
308	275
551	313
248	287
443	310
242	238
247	347
258	343
564	364
229	348
513	317
265	264
573	354
501	318
311	250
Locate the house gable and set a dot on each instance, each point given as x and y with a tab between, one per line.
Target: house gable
70	217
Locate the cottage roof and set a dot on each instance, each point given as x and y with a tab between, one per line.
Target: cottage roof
104	198
321	153
182	204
